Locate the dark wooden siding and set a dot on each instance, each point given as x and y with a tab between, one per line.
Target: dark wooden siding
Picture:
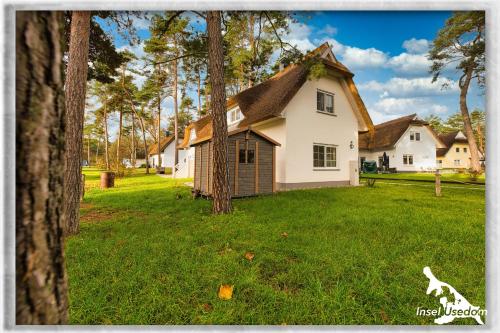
246	173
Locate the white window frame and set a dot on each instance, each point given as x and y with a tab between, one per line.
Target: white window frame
457	162
236	113
465	149
407	158
414	136
325	93
325	161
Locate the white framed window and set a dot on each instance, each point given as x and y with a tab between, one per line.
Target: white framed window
325	102
465	149
457	150
324	156
408	159
457	162
414	136
439	163
233	116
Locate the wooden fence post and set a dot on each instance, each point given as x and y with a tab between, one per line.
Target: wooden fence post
438	183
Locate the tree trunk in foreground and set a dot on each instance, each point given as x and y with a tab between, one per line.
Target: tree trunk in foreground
75	85
176	116
474	153
221	191
41	288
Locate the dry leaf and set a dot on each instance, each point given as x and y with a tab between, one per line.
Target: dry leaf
249	256
384	316
285	234
207	307
226	291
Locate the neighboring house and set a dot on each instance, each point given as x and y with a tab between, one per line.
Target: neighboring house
167	149
316	123
138	162
409	143
456	153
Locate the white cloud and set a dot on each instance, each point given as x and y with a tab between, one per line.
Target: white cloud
328	30
415	87
357	58
416	46
389	108
407	63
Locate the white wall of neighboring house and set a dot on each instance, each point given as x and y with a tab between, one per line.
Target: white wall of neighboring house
304	126
167	156
423	151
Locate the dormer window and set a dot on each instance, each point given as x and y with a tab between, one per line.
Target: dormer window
325	102
233	116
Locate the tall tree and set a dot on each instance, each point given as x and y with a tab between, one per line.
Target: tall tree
75	85
461	41
221	190
41	287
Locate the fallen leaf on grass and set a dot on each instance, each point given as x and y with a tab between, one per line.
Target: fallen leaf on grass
207	307
226	291
285	234
384	316
249	256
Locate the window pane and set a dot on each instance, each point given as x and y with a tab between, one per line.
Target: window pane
410	160
417	136
329	103
319	156
405	159
320	101
242	156
331	153
465	150
412	136
250	156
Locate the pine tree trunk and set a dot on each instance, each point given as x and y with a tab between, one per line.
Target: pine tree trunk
474	154
97	150
75	85
176	115
199	94
221	193
251	40
88	149
41	287
159	130
106	138
133	141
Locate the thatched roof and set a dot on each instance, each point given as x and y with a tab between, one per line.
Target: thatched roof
448	140
163	144
268	99
387	134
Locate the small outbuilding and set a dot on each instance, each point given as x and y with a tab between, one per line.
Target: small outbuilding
252	163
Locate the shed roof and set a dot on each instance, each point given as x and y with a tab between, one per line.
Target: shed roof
239	130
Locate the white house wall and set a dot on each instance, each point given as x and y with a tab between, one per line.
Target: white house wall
304	127
423	151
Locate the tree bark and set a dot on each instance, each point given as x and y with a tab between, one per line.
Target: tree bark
199	94
159	121
474	154
75	85
106	140
88	149
132	158
176	115
221	191
119	140
41	287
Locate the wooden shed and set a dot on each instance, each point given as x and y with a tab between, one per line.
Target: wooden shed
252	164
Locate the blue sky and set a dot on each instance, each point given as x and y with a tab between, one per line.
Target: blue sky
386	50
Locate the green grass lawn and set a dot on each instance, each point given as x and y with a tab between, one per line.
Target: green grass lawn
454	177
148	253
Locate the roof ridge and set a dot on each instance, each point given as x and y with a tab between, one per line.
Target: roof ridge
389	122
